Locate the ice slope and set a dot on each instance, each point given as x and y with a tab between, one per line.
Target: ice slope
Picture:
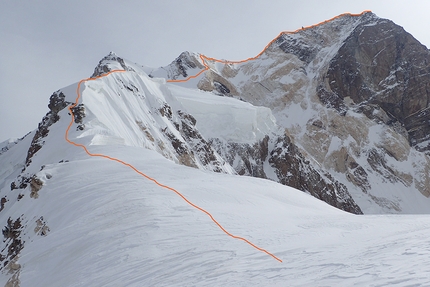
111	227
131	109
225	118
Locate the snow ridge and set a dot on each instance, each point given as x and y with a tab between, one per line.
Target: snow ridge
143	174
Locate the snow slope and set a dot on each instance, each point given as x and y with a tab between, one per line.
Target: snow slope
111	227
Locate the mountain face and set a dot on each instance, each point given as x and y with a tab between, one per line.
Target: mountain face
351	94
163	124
388	69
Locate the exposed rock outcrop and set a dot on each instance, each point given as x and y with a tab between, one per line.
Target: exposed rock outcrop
183	66
294	170
289	167
14	243
57	103
109	63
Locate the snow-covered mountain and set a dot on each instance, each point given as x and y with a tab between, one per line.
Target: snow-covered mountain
352	93
102	193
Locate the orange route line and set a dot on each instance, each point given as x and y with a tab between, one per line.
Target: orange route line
141	173
204	58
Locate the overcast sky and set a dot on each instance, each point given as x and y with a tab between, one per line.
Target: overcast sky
47	45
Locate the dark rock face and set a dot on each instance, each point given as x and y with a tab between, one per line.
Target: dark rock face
332	100
385	66
57	102
291	45
190	147
294	170
199	146
183	63
180	66
14	243
221	88
290	167
246	159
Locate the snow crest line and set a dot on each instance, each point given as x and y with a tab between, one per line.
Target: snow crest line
141	173
204	58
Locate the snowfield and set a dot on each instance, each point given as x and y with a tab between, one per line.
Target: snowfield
110	226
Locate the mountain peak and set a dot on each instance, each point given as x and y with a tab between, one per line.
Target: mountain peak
355	68
109	63
111	54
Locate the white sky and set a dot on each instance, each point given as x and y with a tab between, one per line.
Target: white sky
47	45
